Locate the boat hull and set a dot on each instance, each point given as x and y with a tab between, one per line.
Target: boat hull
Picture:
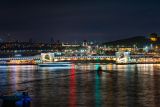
44	65
58	64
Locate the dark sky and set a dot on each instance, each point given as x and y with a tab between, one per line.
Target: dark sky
67	20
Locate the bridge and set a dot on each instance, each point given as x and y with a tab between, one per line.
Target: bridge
51	58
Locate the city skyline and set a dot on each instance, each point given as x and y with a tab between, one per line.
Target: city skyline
78	20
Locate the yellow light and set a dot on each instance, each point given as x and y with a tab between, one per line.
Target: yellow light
153	39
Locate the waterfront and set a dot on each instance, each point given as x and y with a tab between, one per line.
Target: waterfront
119	85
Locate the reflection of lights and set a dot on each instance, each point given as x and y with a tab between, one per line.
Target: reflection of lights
109	67
73	97
98	96
13	80
145	68
97	66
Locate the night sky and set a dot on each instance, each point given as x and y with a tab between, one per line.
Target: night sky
67	20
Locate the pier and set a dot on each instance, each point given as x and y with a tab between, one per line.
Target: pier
50	57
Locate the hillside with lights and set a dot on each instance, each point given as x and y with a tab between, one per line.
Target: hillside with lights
138	41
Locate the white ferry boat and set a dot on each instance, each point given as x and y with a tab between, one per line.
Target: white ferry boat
55	64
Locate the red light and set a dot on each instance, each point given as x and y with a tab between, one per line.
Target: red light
73	97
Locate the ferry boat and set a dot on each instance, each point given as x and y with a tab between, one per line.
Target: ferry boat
56	64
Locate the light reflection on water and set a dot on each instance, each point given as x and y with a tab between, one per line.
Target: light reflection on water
119	85
72	88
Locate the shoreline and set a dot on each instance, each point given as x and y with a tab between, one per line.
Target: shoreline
87	63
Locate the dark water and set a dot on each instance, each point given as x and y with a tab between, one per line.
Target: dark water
80	86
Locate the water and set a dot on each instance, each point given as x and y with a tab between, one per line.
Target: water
119	85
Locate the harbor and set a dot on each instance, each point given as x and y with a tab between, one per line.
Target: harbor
118	58
79	53
80	78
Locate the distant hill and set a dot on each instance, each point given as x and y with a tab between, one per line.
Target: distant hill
139	41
